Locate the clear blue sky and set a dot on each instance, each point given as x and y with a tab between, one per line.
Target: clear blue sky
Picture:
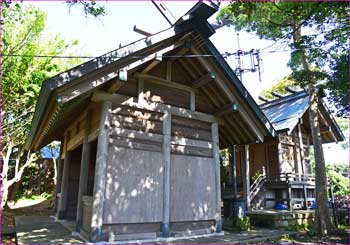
99	36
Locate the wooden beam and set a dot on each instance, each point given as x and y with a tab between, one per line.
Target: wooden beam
203	80
216	155
101	96
191	142
100	174
278	95
229	95
115	86
84	171
229	108
164	82
132	134
156	107
92	81
192	101
292	90
141	31
165	12
165	226
262	98
157	59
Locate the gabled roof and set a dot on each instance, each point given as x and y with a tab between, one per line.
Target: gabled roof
62	96
285	113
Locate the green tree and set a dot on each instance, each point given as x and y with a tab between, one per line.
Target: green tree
279	87
340	183
24	37
317	33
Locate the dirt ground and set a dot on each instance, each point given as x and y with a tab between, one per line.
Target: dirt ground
43	208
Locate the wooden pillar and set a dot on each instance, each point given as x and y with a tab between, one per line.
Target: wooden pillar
84	171
305	196
165	226
289	197
64	186
234	173
280	156
246	177
100	174
140	91
192	101
58	181
216	154
301	145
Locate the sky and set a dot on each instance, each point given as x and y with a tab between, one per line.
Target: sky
99	36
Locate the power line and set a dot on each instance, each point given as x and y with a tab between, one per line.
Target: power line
226	54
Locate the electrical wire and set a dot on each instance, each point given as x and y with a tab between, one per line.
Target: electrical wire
226	54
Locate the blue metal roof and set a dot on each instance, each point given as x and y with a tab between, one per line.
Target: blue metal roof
284	113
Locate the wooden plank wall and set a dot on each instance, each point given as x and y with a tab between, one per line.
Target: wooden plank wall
134	185
134	188
76	128
193	192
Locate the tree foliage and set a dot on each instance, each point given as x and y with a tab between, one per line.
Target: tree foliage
337	173
279	87
315	31
23	38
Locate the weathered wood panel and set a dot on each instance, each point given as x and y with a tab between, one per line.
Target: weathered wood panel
136	144
87	213
188	132
191	151
192	226
138	124
129	88
117	230
193	193
134	186
166	95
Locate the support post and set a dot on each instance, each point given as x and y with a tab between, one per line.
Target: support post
84	171
165	226
289	197
64	186
234	173
100	174
192	101
140	85
215	139
305	196
301	145
280	156
59	179
246	177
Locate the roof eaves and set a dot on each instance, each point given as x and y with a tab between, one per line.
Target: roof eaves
240	88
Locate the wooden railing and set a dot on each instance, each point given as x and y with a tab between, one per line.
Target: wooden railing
257	185
287	178
291	177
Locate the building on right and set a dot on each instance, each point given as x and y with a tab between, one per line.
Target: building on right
277	174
